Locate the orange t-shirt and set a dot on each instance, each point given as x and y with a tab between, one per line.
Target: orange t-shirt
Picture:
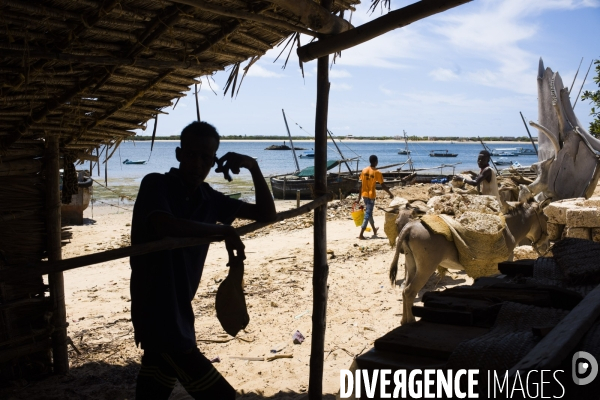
369	178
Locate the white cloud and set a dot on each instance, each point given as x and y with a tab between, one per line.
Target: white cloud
261	72
340	86
443	74
494	33
339	73
386	91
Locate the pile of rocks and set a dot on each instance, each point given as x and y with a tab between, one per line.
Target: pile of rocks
457	204
574	218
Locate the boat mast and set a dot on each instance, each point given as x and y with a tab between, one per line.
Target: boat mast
529	133
487	148
292	143
409	160
340	152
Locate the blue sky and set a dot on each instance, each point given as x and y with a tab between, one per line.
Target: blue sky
465	72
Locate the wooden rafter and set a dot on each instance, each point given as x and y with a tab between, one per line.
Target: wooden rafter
228	12
315	16
377	27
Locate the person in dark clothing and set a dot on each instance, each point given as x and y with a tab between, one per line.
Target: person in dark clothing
163	284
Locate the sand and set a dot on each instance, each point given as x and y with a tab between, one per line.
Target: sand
362	307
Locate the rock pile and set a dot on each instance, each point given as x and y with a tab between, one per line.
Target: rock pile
574	218
457	204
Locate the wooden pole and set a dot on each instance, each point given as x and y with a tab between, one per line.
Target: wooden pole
392	20
43	268
321	269
55	280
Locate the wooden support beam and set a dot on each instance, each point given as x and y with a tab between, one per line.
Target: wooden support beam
43	268
315	16
228	12
321	268
392	20
55	280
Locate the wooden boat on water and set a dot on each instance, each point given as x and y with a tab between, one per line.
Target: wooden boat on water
405	151
442	153
287	186
308	154
139	162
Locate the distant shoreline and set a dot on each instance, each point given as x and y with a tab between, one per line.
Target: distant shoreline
354	140
522	140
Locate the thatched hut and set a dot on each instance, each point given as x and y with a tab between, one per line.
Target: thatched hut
80	76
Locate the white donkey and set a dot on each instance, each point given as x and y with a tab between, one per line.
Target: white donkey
424	251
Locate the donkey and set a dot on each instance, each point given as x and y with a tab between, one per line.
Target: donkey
424	251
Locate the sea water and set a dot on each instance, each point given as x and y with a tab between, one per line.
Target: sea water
124	179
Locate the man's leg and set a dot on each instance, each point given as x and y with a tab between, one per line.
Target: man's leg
369	203
198	376
371	220
156	379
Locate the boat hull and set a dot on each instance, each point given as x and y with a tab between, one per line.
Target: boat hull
286	188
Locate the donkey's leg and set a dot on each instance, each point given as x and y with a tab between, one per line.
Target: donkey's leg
421	263
410	270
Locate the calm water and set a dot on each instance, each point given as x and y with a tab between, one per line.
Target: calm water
125	179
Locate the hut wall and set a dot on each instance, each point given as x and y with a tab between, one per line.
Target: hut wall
25	306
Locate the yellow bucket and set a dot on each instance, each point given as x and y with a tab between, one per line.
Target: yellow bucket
358	216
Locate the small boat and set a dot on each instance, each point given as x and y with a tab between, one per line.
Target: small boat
405	151
522	151
308	154
509	152
505	161
234	195
441	153
286	186
127	161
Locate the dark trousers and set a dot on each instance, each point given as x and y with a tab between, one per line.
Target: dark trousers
195	372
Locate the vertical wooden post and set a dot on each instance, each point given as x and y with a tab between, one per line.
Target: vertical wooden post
55	280
321	269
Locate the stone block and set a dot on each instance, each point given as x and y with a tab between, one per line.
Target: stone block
583	217
592	202
555	231
557	211
578	233
596	234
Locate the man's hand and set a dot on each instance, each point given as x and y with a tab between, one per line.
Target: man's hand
234	245
234	162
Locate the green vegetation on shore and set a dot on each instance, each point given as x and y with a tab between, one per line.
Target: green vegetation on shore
411	138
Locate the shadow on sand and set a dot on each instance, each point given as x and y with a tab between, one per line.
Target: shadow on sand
103	381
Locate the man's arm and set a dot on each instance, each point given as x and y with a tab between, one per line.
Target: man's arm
384	187
487	175
264	209
166	225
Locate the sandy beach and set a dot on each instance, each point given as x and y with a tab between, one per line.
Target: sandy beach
362	307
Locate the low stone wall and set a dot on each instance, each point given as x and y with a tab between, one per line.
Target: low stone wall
574	218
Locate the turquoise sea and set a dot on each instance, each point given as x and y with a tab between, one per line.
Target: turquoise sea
125	179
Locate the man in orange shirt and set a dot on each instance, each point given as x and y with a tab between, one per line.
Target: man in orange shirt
369	177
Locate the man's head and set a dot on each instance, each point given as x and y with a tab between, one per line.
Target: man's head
373	160
483	160
198	149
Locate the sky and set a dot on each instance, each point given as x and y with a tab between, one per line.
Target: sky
465	72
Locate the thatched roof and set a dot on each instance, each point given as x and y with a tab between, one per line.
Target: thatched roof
93	71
